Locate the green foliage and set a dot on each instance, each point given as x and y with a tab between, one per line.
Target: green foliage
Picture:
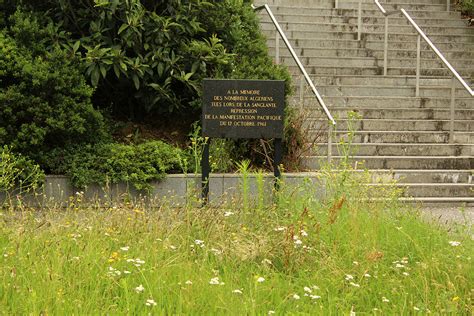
18	172
112	163
45	100
467	6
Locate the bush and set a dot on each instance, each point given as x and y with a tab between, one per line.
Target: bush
45	101
467	6
18	172
112	163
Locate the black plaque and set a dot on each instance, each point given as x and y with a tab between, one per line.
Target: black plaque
243	108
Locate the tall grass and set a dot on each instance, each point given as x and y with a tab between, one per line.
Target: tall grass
297	254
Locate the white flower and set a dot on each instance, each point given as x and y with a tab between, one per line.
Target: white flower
349	277
266	261
295	237
298	242
126	272
385	300
355	263
315	297
307	289
454	243
406	273
367	275
296	296
398	265
150	302
416	308
188	282
237	291
280	229
354	284
216	251
200	243
260	279
139	289
124	248
304	233
271	312
227	214
172	247
214	281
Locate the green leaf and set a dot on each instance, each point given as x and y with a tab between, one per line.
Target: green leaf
95	76
122	28
136	81
117	71
75	47
103	71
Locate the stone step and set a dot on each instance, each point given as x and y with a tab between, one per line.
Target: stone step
366	28
422	176
366	20
415	149
331	3
397	125
400	113
404	137
409	7
375	12
318	42
375	70
427	190
379	90
380	80
396	162
364	52
269	31
354	102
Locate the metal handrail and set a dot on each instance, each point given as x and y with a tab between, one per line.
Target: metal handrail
297	60
427	40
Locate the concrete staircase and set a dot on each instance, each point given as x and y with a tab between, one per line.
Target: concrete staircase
400	136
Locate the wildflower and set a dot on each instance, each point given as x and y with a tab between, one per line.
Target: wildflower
298	242
227	214
126	272
398	265
215	281
367	275
124	248
454	243
172	247
385	300
307	289
406	273
304	233
114	257
315	297
280	229
416	308
354	284
455	299
150	302
188	282
349	277
199	242
296	296
352	313
237	291
271	312
355	263
260	279
266	261
139	289
216	251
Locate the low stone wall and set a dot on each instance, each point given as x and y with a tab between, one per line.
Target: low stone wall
175	189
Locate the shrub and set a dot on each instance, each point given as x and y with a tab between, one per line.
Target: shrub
467	6
112	163
45	101
18	172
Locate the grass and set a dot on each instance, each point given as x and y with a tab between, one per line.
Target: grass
298	255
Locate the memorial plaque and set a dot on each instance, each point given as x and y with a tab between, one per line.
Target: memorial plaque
243	108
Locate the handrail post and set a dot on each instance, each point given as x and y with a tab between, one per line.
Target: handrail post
301	92
418	64
452	114
277	48
359	22
336	4
385	48
330	132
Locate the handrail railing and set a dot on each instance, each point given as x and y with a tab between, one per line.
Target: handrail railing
422	34
303	71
